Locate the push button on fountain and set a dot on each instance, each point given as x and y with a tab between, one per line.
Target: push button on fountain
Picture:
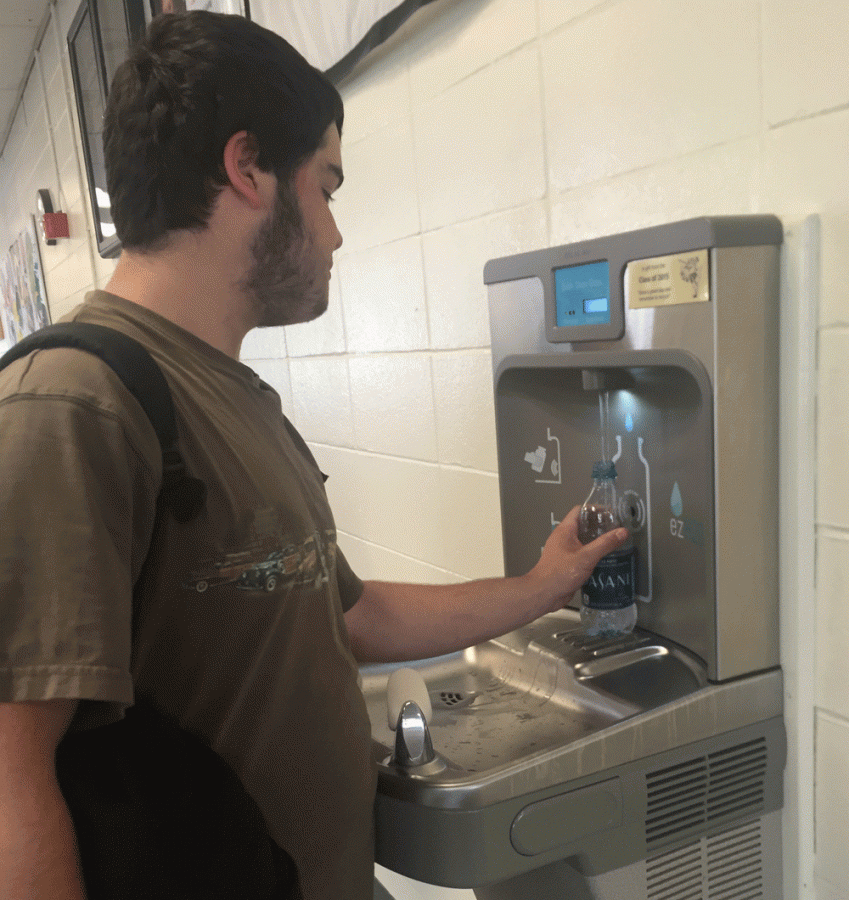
565	818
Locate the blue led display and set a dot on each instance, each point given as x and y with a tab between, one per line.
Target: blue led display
598	305
582	294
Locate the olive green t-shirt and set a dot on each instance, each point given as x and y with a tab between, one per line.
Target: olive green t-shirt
236	629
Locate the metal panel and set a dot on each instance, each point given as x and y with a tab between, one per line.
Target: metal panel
715	455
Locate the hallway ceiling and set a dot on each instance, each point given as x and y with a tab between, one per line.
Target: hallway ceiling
20	22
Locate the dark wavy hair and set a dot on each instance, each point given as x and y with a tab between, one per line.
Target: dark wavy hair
193	81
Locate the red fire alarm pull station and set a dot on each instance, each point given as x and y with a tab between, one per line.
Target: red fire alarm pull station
53	225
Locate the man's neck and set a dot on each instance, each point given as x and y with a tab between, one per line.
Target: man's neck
191	283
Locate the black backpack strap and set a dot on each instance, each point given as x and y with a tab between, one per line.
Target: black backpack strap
131	362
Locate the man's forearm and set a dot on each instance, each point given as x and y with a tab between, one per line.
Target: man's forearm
394	622
38	850
38	845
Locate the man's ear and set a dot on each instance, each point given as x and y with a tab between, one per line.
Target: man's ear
240	155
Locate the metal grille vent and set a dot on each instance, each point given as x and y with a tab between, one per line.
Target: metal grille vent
720	787
735	864
728	866
676	876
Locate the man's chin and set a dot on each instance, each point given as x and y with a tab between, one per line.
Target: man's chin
274	318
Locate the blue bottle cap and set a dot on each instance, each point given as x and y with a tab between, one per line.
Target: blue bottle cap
604	470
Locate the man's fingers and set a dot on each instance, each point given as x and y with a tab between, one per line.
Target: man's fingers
572	515
608	542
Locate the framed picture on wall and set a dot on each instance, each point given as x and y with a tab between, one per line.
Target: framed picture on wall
235	7
98	39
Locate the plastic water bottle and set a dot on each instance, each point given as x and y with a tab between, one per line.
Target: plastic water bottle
608	607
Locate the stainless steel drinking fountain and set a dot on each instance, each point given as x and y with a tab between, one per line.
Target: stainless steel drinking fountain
648	766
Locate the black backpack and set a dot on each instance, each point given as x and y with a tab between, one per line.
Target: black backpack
157	813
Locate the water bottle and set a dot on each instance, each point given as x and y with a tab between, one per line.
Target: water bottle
608	607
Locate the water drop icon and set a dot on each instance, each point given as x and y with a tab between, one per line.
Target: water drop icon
676	502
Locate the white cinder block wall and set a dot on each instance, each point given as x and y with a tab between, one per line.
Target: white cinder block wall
489	127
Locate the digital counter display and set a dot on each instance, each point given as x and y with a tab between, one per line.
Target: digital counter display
582	294
599	305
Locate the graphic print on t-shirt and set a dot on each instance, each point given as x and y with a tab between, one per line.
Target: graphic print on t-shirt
269	559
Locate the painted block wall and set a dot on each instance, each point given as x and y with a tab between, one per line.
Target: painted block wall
43	150
489	127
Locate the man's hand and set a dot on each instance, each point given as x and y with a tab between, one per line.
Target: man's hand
566	564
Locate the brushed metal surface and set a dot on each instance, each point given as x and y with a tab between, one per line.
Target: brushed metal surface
727	468
549	706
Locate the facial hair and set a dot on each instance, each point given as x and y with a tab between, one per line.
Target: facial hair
284	281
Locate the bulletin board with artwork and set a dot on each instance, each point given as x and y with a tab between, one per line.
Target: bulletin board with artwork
24	298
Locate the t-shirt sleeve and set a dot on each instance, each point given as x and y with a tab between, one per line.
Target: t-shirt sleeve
78	502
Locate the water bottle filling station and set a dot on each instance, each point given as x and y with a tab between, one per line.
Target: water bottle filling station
649	764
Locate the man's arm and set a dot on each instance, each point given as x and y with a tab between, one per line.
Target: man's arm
397	622
38	850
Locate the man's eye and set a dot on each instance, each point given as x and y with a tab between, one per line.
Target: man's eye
328	196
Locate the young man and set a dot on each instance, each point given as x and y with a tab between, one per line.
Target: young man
246	624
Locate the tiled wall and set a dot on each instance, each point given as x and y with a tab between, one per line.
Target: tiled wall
489	127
